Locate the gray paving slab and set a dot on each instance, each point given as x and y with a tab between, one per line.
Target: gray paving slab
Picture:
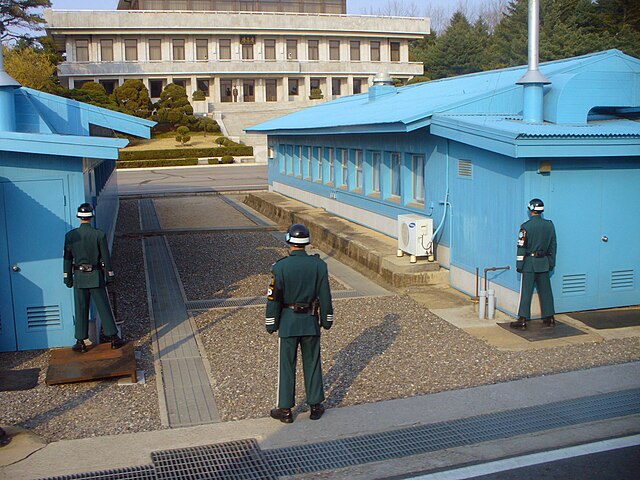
187	391
128	450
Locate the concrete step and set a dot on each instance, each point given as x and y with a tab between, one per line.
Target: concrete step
367	251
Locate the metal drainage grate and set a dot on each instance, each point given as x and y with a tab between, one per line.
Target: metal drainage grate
255	301
147	472
240	460
428	438
148	216
243	459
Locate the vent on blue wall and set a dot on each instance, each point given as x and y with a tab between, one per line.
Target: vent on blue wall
575	284
622	280
465	168
43	317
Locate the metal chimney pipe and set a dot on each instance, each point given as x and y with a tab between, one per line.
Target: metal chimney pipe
7	99
533	81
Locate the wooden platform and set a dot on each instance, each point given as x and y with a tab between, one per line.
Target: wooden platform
100	362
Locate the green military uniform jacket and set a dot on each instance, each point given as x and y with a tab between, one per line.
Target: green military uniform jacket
86	245
299	278
537	246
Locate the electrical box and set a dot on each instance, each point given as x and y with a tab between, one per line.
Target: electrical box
414	235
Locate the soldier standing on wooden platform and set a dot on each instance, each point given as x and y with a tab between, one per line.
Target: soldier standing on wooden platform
86	254
536	258
299	302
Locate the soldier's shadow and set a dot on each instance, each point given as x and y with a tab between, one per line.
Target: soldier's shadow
354	358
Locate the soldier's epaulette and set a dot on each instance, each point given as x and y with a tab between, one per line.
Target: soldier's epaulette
279	260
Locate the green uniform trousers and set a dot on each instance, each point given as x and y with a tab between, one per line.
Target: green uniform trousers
311	366
543	283
83	298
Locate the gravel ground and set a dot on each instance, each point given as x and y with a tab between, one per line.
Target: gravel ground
93	408
228	265
379	349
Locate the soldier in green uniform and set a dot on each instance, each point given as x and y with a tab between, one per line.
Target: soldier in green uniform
85	255
536	257
298	303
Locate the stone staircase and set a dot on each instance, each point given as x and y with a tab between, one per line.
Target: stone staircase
235	117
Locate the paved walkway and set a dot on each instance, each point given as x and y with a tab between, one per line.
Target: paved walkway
450	429
186	394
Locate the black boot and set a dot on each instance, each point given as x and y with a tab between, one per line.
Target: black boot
79	347
116	341
316	411
549	321
4	438
282	414
521	323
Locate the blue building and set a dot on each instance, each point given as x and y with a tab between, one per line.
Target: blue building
52	159
468	153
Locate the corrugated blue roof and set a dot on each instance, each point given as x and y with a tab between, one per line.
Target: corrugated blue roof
411	107
53	125
513	127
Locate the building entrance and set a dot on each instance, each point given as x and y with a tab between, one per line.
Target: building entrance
249	91
226	91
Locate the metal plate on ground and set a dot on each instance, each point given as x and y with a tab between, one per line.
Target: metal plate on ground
537	331
241	460
14	380
101	361
611	318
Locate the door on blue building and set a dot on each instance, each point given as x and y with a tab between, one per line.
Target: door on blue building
35	305
598	264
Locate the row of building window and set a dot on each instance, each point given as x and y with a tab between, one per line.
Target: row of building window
389	175
296	6
244	91
178	50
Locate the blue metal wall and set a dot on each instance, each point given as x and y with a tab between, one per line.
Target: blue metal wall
588	199
41	193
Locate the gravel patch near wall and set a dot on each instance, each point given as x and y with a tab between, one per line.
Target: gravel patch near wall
90	409
228	265
379	349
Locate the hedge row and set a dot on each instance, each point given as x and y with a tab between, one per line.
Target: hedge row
239	151
175	162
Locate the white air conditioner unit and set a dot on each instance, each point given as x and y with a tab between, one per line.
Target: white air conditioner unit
414	236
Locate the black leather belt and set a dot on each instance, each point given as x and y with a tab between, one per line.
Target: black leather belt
537	254
87	268
298	307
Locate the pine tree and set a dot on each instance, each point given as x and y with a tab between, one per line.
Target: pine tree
132	97
17	15
459	50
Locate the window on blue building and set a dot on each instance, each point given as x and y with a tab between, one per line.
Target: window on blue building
396	183
418	178
332	164
359	173
344	166
375	172
318	158
307	172
297	154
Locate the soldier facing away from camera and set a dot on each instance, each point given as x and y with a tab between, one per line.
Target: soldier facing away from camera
86	260
536	257
298	303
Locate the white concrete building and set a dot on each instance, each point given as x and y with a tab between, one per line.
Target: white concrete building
241	57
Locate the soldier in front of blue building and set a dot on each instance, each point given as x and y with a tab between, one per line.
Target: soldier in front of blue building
298	304
536	257
86	261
